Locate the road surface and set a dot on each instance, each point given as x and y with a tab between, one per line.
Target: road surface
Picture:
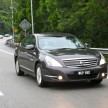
23	92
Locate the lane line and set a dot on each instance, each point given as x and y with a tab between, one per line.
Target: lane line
1	94
107	71
6	52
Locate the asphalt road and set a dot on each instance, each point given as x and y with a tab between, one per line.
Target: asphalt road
23	92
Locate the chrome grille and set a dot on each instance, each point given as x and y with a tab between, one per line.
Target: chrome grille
90	62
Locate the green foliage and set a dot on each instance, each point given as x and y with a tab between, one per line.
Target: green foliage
106	58
5	16
19	37
87	19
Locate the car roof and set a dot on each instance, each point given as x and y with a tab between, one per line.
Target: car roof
53	34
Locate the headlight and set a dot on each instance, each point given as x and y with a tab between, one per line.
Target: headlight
52	62
102	61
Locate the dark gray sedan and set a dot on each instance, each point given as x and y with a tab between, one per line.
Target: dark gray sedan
59	57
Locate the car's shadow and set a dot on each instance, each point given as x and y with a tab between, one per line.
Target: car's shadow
73	85
67	85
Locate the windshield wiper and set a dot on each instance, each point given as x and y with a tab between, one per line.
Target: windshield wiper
81	48
65	48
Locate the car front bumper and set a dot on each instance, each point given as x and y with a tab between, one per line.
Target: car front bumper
51	74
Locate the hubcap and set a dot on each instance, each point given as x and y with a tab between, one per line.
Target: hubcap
17	67
39	75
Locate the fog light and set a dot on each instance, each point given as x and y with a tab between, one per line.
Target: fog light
103	74
60	77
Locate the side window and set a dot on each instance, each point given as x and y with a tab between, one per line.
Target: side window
32	40
28	40
25	41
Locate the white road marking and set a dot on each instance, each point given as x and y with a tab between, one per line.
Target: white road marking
1	94
6	52
107	71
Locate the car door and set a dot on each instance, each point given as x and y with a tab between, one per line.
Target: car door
22	54
31	55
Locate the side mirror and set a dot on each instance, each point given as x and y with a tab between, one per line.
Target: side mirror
87	45
30	47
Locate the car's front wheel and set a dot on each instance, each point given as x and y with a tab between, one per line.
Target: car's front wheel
17	68
96	82
39	76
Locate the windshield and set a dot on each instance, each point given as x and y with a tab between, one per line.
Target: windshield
68	42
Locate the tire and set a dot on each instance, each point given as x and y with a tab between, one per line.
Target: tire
96	82
17	68
39	76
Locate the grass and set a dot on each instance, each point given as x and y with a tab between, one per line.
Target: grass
106	58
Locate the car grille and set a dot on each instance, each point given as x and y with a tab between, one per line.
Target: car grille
80	77
90	62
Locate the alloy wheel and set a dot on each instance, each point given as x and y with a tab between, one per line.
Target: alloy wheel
17	67
39	76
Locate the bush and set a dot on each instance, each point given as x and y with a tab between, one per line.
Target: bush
106	58
18	38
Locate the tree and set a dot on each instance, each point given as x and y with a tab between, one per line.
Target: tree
87	19
5	16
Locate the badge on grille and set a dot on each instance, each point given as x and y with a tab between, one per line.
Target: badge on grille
82	63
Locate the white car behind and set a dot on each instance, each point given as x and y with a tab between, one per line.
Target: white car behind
1	36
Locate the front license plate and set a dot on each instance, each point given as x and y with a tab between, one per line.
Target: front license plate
83	72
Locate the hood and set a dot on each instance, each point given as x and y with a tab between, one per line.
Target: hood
73	53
